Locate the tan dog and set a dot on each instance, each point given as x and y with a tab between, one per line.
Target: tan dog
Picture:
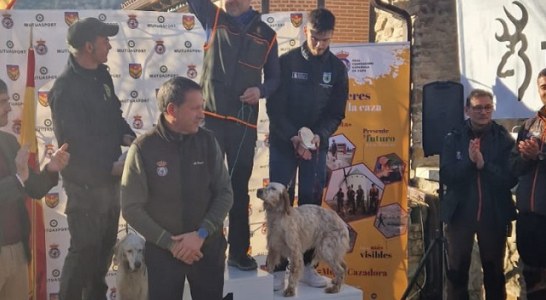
292	231
132	276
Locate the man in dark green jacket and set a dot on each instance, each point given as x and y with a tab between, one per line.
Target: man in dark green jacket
176	192
17	182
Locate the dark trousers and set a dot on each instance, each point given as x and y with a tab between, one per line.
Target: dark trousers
491	242
166	274
283	164
238	143
93	215
531	243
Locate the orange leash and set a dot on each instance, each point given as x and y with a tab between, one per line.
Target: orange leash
230	118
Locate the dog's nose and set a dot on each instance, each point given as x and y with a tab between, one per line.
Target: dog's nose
259	192
137	264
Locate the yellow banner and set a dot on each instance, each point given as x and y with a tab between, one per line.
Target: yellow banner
368	166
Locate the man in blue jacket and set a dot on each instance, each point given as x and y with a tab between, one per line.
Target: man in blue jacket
313	94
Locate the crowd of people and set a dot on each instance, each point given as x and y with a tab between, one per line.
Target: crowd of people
174	188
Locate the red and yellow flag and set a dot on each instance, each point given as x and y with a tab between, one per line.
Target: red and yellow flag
37	265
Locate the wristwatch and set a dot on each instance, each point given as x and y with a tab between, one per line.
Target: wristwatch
202	232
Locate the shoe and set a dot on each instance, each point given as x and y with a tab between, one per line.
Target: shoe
312	278
278	280
244	263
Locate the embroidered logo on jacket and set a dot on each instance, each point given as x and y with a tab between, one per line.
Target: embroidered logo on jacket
162	168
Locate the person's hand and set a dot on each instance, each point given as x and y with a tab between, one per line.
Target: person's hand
475	154
21	162
251	96
316	141
529	149
187	247
59	159
127	140
117	167
299	149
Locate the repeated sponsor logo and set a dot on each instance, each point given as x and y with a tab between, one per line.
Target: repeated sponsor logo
70	17
188	21
40	22
42	98
41	48
192	71
16	126
7	21
296	19
13	72
137	122
54	251
52	199
160	47
46	127
135	70
163	73
132	22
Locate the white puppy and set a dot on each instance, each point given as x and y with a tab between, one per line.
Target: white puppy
132	276
292	231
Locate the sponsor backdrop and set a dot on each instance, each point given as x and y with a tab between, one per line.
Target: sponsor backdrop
371	146
505	54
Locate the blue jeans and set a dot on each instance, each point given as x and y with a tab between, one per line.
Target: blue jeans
283	164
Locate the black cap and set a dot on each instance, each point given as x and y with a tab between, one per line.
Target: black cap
86	30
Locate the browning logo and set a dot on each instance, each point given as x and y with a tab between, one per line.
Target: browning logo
52	199
42	98
296	19
13	72
135	70
70	17
188	22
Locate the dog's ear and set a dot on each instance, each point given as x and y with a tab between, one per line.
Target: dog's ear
285	201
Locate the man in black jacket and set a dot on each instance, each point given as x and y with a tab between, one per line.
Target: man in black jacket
478	201
529	164
239	46
87	115
313	94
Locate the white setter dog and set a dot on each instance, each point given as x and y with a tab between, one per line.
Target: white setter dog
292	231
132	276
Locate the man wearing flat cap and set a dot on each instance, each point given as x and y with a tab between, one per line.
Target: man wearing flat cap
87	115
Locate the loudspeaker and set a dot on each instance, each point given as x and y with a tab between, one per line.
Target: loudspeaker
443	109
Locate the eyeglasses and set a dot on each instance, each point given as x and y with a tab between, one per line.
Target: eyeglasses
480	108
